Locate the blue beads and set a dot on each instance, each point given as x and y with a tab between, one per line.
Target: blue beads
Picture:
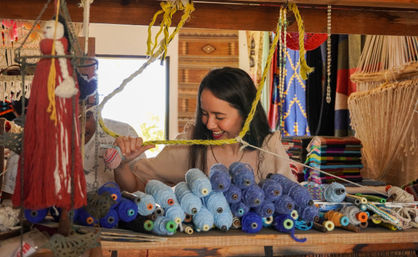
251	223
242	174
219	177
253	196
162	193
198	182
35	216
189	202
233	194
127	210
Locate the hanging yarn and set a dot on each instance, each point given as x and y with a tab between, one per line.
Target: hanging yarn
127	210
162	193
198	182
284	223
216	202
253	196
284	205
267	221
145	202
35	216
337	218
300	195
284	181
175	213
265	210
242	174
219	177
239	209
189	202
234	194
334	192
110	220
223	220
251	223
113	189
308	213
164	226
272	189
140	224
203	220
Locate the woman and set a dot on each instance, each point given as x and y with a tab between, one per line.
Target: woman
224	102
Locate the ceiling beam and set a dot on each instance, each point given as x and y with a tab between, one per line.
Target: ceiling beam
387	17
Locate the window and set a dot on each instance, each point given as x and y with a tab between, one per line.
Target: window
143	103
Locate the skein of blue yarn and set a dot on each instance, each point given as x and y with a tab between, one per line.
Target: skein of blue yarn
164	226
266	209
239	209
242	174
334	192
175	213
203	220
300	195
284	205
35	216
233	195
284	223
198	182
146	204
308	213
113	190
253	196
110	220
189	202
162	193
251	223
127	210
216	202
84	218
223	221
272	189
284	181
219	177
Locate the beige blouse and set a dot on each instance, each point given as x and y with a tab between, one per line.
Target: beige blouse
172	163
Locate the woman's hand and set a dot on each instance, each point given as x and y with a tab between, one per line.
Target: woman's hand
131	147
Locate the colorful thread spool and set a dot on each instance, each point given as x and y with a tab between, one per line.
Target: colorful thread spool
145	203
35	216
140	224
267	221
113	189
284	181
239	209
253	196
351	227
111	219
164	226
284	205
300	195
112	157
198	182
84	218
284	223
242	174
203	220
216	202
233	194
189	202
223	220
266	209
309	213
127	210
159	211
219	177
175	213
334	192
337	218
236	223
162	193
352	212
187	229
272	189
251	223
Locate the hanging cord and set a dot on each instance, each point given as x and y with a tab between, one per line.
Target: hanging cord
86	18
304	68
328	97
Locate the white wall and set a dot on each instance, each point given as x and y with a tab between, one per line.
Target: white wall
115	39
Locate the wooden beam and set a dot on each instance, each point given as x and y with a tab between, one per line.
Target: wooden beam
399	19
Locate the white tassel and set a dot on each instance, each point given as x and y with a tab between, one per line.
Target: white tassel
66	88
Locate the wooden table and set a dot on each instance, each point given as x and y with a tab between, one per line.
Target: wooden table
268	243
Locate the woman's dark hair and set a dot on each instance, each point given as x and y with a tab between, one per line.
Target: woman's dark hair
236	87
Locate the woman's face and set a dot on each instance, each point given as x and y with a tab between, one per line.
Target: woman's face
219	116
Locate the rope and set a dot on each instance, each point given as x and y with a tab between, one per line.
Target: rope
86	18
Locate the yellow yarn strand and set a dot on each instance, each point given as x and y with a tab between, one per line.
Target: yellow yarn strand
304	68
52	74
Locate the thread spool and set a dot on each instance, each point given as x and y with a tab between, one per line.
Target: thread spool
251	223
223	220
114	191
84	218
373	198
329	225
284	223
253	196
140	224
164	226
203	220
242	175
376	219
284	181
215	202
35	216
233	194
357	200
351	227
284	205
334	192
219	177
145	203
188	218
309	213
354	214
187	229
300	195
364	225
294	214
389	226
266	209
236	223
338	218
189	202
127	210
175	213
267	221
110	220
162	193
198	182
362	207
272	189
319	227
239	209
159	211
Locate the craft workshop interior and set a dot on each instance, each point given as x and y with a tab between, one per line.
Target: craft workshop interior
208	128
